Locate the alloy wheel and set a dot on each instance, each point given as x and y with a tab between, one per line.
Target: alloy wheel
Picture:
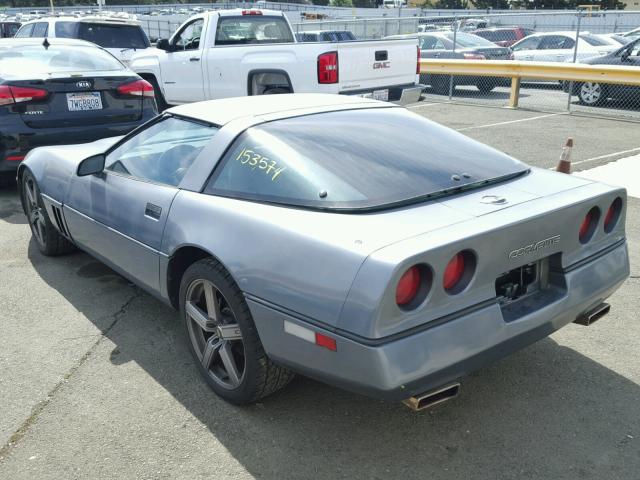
215	334
590	93
34	211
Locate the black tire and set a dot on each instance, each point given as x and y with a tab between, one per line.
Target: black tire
49	241
260	376
276	91
440	84
157	94
485	87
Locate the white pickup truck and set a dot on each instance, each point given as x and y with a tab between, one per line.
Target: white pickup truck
232	53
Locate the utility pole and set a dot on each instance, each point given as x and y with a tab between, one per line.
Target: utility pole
51	3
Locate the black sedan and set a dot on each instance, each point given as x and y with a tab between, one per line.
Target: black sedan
459	45
595	93
61	91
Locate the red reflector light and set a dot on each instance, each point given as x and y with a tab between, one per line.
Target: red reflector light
328	67
454	271
326	342
408	286
15	158
611	218
251	12
137	88
10	94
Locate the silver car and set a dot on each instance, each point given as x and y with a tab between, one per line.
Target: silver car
345	239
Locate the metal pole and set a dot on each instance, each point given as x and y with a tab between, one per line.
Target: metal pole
455	35
575	58
51	3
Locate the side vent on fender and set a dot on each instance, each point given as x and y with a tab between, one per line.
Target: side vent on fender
57	216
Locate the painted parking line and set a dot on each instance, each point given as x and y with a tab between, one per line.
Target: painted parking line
413	107
528	119
609	155
623	173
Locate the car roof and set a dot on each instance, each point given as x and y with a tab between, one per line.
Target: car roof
88	19
40	41
221	112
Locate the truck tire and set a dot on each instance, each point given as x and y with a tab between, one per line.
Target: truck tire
440	84
157	94
223	338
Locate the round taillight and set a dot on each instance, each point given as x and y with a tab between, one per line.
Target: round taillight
588	225
612	215
408	286
454	271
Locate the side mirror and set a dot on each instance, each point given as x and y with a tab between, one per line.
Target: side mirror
163	44
91	165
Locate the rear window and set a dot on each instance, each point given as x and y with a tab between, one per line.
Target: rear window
498	35
35	59
468	40
252	29
593	40
112	36
346	160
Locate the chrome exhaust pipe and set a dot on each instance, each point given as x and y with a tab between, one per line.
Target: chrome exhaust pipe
593	315
433	397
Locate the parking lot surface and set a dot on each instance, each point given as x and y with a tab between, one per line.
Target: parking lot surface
96	380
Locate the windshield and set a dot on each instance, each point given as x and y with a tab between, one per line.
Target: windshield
252	29
469	40
345	160
35	59
105	35
594	41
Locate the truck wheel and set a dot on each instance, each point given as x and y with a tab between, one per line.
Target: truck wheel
157	94
440	84
223	338
276	91
48	239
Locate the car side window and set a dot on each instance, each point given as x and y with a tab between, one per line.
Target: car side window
40	30
530	43
161	153
427	43
189	37
556	42
25	31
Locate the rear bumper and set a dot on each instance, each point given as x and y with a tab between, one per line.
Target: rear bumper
400	94
403	366
18	140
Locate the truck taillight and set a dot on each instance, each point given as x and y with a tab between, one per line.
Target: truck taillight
418	61
328	67
10	94
251	12
137	88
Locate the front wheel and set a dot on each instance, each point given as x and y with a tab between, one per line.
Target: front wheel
50	242
223	338
591	93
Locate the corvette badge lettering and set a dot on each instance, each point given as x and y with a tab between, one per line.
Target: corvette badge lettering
534	247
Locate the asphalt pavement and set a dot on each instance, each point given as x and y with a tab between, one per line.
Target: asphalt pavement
96	380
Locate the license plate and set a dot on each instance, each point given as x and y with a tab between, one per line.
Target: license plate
382	95
84	101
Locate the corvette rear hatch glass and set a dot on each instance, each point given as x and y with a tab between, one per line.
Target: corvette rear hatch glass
357	159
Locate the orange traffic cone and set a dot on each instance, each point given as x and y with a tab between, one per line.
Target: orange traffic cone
564	165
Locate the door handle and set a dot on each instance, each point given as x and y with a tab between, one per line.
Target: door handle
153	211
194	59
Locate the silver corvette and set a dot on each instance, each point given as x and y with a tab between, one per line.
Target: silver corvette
345	239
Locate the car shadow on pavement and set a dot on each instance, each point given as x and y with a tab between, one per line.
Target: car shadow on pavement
545	412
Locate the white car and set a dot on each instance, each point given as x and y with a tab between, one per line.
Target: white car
240	52
121	37
560	46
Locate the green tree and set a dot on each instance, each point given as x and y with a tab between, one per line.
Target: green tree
341	3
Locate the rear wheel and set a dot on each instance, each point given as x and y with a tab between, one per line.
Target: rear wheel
440	84
486	86
223	338
50	242
157	94
591	93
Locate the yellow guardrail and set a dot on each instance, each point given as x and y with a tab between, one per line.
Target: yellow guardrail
576	72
